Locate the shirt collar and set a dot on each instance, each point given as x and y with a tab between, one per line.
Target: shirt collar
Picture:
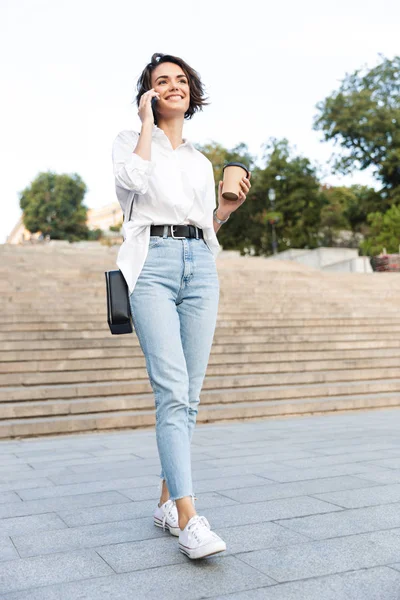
159	133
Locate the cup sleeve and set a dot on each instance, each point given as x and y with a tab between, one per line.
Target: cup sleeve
131	171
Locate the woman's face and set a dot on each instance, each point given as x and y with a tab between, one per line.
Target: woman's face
170	81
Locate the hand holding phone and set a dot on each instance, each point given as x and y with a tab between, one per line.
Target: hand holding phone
147	109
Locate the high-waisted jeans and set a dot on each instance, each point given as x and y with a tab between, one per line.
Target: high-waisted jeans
174	311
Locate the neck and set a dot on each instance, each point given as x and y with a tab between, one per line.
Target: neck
173	129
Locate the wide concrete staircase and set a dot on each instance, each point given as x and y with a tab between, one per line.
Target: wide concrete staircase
289	340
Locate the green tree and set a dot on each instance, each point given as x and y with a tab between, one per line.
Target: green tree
333	213
117	227
53	205
363	119
298	200
361	201
238	232
384	233
95	234
219	156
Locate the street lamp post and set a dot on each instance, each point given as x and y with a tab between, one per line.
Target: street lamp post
272	196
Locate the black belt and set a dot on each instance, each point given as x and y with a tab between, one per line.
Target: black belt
177	231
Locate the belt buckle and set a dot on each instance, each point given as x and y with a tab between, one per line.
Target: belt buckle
176	237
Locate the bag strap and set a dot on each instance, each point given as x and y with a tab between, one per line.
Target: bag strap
128	211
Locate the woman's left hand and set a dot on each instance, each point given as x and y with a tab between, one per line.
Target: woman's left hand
226	207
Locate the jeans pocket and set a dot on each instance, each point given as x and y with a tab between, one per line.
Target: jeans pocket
155	240
207	248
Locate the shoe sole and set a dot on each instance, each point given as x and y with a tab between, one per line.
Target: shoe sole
173	530
208	550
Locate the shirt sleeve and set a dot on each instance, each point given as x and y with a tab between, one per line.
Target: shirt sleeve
131	171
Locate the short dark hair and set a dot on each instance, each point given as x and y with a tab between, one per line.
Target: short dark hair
197	97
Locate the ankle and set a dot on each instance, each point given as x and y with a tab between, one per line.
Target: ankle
164	492
184	520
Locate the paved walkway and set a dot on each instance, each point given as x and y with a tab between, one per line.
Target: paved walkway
309	508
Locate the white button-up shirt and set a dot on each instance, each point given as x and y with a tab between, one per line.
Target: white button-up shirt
175	187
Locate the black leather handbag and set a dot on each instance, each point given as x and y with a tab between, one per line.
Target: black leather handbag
119	317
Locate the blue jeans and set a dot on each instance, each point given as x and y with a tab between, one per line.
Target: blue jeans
174	311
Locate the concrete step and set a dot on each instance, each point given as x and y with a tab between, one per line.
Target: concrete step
222	396
264	319
107	359
223	333
68	285
258	299
364	304
289	340
109	387
340	294
292	375
234	326
18	373
127	345
74	423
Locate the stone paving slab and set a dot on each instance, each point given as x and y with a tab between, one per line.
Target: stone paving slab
325	557
378	583
52	491
19	508
92	460
372	496
168	582
23	483
8	497
87	536
270	491
302	474
308	506
31	523
26	573
32	474
14	468
346	522
381	476
7	549
130	510
392	463
257	512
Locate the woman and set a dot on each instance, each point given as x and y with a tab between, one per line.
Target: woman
168	260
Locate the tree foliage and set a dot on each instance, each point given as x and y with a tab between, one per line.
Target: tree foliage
238	232
298	195
362	200
297	205
363	119
53	205
384	233
333	214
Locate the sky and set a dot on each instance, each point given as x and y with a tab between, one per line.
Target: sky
69	73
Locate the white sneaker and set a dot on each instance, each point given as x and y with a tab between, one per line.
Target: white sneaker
166	516
197	540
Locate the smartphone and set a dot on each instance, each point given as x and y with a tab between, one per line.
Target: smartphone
153	106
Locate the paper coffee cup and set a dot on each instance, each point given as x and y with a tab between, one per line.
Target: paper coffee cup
233	174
